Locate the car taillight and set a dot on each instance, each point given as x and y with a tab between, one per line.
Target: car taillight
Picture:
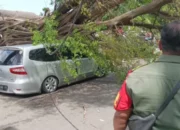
18	70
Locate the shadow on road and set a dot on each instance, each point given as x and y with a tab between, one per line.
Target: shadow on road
92	92
97	92
10	128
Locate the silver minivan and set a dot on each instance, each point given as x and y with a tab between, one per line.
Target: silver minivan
27	69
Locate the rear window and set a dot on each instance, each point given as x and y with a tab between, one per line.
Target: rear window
10	57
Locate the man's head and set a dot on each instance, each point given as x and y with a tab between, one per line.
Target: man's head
170	38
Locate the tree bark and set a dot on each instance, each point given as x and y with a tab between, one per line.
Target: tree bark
125	19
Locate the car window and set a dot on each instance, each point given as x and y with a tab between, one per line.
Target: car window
41	55
10	57
67	54
70	55
84	56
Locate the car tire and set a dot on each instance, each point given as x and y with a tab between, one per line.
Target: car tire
50	84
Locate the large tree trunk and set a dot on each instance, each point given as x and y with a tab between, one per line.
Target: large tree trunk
125	19
97	8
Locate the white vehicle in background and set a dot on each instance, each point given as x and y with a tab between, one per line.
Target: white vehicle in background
27	69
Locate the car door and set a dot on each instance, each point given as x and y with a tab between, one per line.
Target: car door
36	66
87	67
52	67
62	72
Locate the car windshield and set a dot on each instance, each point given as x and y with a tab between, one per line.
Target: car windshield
10	57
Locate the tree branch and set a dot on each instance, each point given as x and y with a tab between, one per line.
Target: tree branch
166	15
125	19
149	26
102	6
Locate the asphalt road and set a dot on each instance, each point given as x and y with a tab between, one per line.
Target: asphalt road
86	105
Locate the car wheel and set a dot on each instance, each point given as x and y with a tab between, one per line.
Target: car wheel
50	84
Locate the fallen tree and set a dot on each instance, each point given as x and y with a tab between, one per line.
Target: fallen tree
16	27
86	28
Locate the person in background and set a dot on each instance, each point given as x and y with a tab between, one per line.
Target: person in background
148	36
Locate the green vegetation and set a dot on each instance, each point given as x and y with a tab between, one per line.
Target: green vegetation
112	52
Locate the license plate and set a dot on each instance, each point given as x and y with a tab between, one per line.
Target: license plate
3	87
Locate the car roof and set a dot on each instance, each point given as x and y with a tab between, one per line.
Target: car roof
24	46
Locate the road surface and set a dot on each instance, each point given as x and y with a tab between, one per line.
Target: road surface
86	105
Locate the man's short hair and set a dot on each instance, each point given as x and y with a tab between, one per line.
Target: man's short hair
170	37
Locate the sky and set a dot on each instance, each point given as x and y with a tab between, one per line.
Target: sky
34	6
